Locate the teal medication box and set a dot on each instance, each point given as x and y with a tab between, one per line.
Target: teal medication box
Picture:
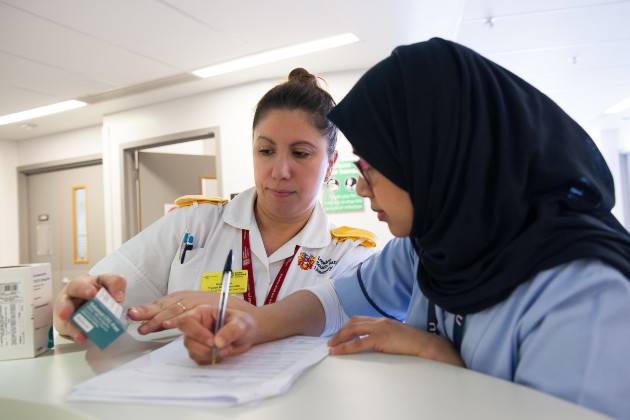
101	319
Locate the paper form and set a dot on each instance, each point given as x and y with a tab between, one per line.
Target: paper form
168	376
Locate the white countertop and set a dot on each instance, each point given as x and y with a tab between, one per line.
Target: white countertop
364	386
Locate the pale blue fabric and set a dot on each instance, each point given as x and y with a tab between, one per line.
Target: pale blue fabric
565	332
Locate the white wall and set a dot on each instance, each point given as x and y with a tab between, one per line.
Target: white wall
624	137
9	234
608	142
61	146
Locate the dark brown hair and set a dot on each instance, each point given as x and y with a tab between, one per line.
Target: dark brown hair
301	92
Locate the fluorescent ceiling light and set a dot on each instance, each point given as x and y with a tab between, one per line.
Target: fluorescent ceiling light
40	112
276	55
618	107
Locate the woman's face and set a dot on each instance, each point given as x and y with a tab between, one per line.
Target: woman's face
290	163
391	203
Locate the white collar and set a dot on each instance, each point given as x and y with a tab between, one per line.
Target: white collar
316	234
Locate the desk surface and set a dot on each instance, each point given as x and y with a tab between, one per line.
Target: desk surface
366	386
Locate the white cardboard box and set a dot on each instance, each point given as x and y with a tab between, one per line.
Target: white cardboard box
25	310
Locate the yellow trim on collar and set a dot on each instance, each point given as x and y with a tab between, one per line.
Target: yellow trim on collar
189	200
343	233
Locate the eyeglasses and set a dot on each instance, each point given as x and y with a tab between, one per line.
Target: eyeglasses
362	166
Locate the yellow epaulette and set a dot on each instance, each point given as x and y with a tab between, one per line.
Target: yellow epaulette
343	233
189	200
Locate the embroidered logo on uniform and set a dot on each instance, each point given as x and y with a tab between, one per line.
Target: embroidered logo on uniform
324	266
306	261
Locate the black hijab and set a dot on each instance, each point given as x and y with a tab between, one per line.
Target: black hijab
503	183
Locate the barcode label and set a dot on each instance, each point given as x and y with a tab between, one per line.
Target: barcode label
11	287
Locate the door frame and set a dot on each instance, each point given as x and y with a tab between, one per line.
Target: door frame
24	172
129	173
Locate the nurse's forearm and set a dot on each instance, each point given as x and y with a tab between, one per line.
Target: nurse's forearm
298	314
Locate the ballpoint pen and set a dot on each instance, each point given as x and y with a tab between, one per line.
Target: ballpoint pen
187	245
225	288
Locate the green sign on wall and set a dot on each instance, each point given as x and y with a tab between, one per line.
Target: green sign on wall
339	193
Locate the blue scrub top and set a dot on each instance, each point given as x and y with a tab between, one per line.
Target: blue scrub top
565	332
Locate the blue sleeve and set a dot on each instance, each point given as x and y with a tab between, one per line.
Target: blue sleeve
575	341
382	284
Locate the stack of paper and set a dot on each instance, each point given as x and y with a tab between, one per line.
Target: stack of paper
168	376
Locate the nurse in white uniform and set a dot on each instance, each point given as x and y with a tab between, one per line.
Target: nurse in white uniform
280	234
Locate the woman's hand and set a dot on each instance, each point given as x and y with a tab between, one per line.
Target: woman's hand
162	314
389	336
76	293
197	325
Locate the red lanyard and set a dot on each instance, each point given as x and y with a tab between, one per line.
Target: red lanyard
250	295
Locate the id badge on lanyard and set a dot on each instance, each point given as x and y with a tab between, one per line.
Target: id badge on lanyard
250	295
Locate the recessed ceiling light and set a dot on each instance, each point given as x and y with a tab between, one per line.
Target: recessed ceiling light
276	55
40	112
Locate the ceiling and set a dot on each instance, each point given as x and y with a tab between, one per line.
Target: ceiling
122	54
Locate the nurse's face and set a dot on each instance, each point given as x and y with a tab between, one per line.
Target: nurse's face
391	203
290	164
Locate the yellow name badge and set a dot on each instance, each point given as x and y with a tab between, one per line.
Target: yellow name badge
211	282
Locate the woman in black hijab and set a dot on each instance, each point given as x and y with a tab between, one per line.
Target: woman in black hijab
518	260
507	258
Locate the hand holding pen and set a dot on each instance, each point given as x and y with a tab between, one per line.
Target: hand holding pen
225	289
208	339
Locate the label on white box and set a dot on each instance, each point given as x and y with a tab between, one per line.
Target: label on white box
12	314
25	310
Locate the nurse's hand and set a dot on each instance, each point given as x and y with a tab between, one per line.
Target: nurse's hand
76	293
385	335
197	325
163	313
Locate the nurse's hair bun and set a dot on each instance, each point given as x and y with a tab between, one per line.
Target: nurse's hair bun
303	76
301	92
